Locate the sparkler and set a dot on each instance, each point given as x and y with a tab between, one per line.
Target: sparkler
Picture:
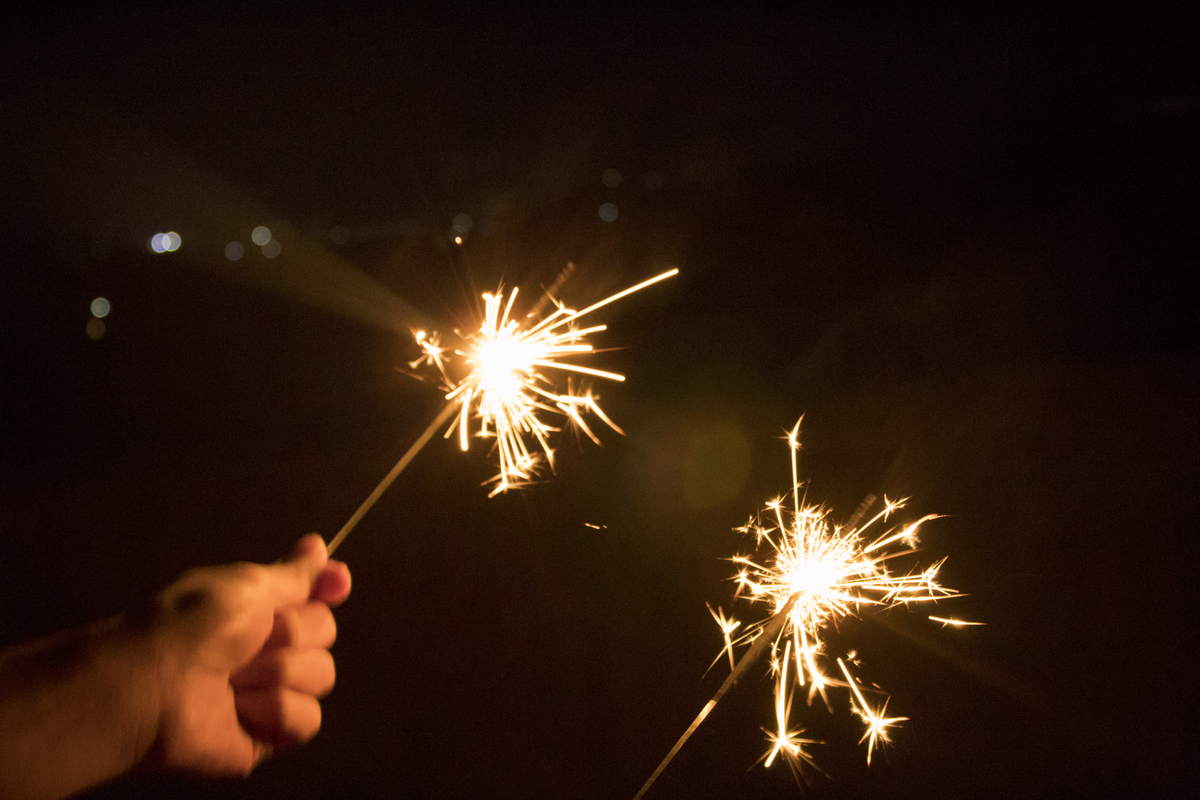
815	574
508	387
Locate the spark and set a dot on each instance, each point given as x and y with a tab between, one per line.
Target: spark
786	740
956	623
877	723
727	627
510	392
815	573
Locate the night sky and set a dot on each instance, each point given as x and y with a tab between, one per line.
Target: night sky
957	243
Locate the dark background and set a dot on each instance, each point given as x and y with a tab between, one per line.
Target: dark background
958	243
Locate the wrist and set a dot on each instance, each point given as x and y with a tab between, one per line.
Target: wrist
85	700
136	656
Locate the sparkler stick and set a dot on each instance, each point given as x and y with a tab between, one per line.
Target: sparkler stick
408	456
752	655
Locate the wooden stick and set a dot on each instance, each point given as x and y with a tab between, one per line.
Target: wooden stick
421	441
756	650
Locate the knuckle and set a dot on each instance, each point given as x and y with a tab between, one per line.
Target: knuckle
251	576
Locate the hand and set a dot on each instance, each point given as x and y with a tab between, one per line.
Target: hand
244	655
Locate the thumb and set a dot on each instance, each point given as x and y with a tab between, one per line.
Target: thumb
291	582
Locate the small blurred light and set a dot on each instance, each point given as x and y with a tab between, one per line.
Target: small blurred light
653	180
260	235
101	307
461	224
165	242
611	178
458	240
608	212
339	234
234	251
271	249
95	329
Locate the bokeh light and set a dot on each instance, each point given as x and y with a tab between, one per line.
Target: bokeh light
165	242
608	212
260	235
101	307
95	329
271	248
462	224
611	178
234	251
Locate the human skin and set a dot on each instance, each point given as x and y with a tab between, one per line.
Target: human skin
225	666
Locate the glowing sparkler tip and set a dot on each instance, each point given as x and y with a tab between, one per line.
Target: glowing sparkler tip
508	389
816	573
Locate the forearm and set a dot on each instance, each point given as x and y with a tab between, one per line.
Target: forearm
76	709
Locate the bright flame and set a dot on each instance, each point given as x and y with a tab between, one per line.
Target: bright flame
816	573
508	390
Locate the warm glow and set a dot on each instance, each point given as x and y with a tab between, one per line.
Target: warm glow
509	387
817	573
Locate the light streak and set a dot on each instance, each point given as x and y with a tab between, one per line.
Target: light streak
956	623
511	383
728	626
877	723
813	574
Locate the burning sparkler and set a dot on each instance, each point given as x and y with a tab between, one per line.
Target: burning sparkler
509	387
814	574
